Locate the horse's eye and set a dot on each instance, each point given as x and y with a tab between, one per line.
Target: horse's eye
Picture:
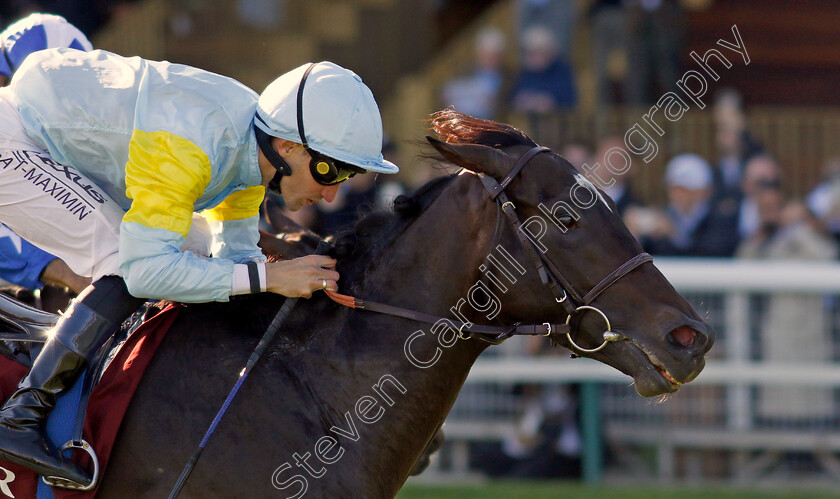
567	221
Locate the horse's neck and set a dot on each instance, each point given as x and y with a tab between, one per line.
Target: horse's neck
429	269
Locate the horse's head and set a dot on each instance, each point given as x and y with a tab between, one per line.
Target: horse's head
588	257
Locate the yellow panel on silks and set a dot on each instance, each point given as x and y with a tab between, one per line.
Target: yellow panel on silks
164	177
238	205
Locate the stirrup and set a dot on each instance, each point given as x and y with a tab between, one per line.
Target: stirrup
63	483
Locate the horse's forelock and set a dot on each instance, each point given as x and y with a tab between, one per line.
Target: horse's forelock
459	128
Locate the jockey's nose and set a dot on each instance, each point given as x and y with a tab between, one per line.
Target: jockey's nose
329	192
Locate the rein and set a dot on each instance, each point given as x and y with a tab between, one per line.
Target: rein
565	294
490	334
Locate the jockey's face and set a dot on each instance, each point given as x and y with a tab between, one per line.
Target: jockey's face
299	189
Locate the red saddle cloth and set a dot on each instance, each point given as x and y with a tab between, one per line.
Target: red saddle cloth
106	407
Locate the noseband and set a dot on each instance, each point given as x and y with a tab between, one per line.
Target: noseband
564	293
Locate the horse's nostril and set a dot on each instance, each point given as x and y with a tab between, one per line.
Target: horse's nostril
682	336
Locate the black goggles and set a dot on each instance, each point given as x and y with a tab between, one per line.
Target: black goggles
328	171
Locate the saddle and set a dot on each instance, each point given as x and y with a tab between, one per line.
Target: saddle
88	415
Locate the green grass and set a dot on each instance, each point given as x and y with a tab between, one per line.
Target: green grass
560	490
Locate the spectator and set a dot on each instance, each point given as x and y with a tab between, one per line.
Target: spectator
479	93
653	48
261	14
615	185
546	442
760	171
791	232
734	143
608	21
577	153
692	224
545	82
557	16
824	200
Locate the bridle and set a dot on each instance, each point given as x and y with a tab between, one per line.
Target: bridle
564	293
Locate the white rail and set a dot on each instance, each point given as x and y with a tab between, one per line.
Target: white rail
731	366
729	275
728	373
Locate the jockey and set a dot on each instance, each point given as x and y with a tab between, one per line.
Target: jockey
104	159
22	263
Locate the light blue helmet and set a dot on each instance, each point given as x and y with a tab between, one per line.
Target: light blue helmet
340	116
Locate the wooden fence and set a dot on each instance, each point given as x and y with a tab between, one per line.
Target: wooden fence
801	139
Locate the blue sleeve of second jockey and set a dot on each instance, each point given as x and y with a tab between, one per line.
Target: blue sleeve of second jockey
21	263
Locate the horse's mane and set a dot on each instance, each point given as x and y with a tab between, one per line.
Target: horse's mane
459	128
358	250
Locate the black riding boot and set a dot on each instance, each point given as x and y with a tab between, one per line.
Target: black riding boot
76	337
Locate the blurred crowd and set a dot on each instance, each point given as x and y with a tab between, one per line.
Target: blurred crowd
732	204
635	55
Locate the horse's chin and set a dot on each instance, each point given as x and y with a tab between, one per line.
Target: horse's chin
654	381
651	378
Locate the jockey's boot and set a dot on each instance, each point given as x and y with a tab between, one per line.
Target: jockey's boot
73	340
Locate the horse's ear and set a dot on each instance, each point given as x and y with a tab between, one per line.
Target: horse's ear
474	157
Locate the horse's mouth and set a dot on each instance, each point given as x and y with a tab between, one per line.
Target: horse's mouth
650	375
667	376
660	368
672	383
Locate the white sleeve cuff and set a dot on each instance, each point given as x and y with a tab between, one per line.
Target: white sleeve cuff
241	284
263	277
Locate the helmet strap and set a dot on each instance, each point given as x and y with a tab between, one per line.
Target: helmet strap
274	183
264	140
300	105
277	161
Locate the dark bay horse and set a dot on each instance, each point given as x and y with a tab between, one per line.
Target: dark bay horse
345	401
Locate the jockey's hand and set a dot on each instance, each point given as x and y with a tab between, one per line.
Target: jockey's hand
300	277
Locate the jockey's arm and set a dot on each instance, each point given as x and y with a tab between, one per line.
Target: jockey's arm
165	176
58	273
27	265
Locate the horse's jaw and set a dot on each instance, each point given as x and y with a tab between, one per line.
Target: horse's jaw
654	370
652	378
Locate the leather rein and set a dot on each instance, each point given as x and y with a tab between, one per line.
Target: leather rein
565	294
